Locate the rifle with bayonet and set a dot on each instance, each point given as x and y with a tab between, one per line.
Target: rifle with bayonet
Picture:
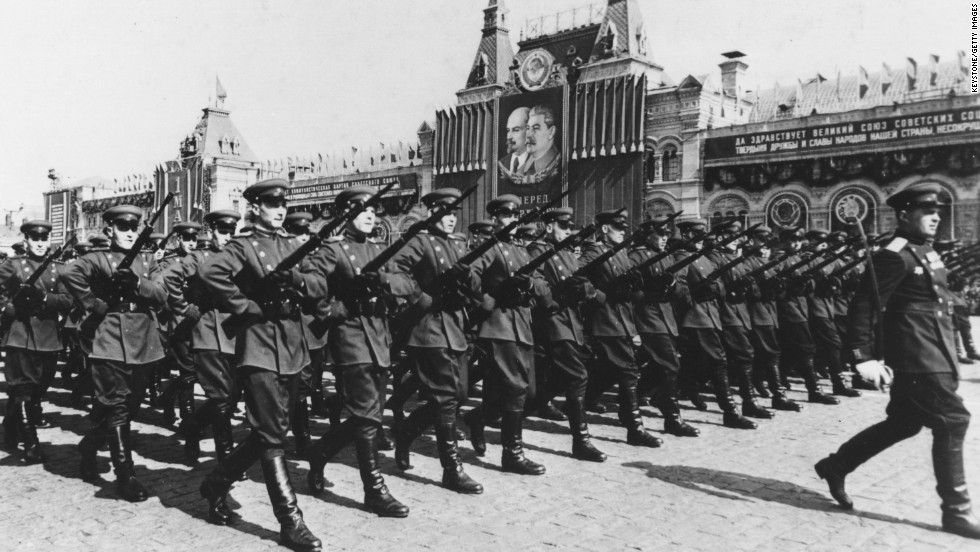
30	299
288	304
700	292
637	237
91	322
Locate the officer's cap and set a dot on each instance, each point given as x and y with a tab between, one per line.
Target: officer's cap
762	231
298	220
157	236
505	203
99	241
616	218
122	212
83	245
481	227
224	218
185	228
354	194
945	245
791	233
267	189
727	227
818	236
528	232
203	243
563	214
656	225
38	226
837	237
442	196
691	225
914	197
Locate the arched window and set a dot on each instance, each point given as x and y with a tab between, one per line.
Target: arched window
670	162
653	167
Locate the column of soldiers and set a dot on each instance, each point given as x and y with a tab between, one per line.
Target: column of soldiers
534	312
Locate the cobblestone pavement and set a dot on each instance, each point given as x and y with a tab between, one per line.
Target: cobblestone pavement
727	490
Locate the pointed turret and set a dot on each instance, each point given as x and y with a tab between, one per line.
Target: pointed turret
491	66
622	40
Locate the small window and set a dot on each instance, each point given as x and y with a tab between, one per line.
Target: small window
670	164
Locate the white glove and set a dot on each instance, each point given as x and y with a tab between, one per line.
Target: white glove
876	372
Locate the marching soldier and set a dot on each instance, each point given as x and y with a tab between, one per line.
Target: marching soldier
31	341
795	337
437	344
612	327
918	343
506	340
125	342
212	349
823	306
701	329
359	348
270	353
480	231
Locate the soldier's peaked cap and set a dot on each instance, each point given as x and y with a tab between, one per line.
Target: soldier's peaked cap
300	218
729	226
187	227
528	232
945	245
614	216
816	235
791	232
481	226
35	226
762	231
561	213
122	212
500	203
440	196
99	241
656	225
356	193
687	225
272	188
913	197
223	217
157	236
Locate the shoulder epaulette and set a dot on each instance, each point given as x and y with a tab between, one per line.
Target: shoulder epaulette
897	244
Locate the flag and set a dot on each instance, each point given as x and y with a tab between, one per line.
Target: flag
219	90
886	78
933	69
911	73
862	82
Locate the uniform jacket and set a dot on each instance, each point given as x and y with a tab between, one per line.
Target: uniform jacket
651	316
357	338
917	320
611	318
184	286
792	309
821	307
697	315
233	276
37	333
763	313
423	259
732	314
566	323
495	266
128	337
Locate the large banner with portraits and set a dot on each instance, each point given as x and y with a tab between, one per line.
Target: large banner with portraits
530	160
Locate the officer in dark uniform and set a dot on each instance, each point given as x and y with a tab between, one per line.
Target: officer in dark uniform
479	231
701	327
213	349
657	324
125	344
32	341
311	378
559	335
961	310
918	344
359	344
437	344
270	352
613	327
506	339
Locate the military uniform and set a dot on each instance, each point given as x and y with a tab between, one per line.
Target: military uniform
918	344
270	352
125	343
32	341
359	347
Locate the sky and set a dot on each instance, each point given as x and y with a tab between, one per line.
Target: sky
110	88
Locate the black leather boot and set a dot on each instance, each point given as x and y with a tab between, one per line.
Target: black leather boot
947	461
384	443
293	532
814	394
191	428
36	413
582	447
335	406
122	460
408	431
513	459
301	427
224	441
723	394
88	451
779	400
840	387
968	346
829	470
28	433
326	448
750	407
474	420
376	496
185	397
632	420
453	476
217	484
665	400
11	424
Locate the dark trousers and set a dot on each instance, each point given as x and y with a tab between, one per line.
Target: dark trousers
269	398
917	401
217	378
119	390
703	355
827	342
26	367
508	368
439	370
741	355
659	355
564	362
362	387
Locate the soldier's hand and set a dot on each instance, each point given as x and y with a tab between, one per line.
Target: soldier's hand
459	274
193	312
875	372
705	292
285	278
127	283
367	285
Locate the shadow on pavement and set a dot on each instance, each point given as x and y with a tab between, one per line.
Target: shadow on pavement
744	487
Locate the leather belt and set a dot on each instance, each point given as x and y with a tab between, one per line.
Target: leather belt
129	308
921	306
